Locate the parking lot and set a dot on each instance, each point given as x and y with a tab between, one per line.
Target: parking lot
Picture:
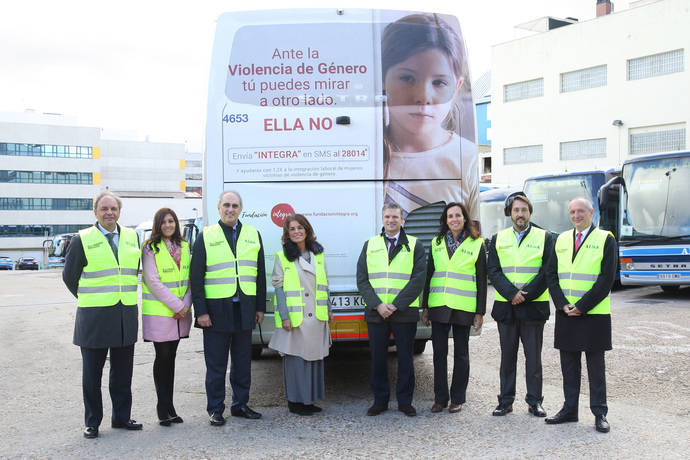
648	383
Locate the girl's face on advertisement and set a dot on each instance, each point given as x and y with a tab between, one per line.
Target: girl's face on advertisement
420	91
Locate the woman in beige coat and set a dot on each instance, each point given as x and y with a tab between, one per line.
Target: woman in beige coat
302	335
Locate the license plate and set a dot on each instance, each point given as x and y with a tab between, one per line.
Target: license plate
339	302
669	276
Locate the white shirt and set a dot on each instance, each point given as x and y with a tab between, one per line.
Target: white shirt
116	235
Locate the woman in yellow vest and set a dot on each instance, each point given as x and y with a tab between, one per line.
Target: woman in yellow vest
165	304
302	315
454	297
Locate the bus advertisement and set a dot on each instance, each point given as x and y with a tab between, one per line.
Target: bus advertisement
332	113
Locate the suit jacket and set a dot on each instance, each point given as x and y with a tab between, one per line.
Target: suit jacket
529	309
407	295
221	310
585	332
98	327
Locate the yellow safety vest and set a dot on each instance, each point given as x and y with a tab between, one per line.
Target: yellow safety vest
223	269
294	291
576	277
520	264
174	278
388	280
454	282
105	281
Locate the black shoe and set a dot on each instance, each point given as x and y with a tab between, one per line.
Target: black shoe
408	410
91	432
244	411
176	419
130	424
166	422
502	409
377	409
561	417
216	419
312	408
298	408
537	410
601	424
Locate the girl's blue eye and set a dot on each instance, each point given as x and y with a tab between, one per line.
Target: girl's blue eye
440	83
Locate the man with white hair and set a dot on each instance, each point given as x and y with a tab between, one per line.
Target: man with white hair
580	277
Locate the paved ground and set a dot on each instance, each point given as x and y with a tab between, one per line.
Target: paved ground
648	377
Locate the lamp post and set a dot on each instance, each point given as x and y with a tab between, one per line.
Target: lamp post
619	124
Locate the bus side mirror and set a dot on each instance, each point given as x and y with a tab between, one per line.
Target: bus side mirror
609	192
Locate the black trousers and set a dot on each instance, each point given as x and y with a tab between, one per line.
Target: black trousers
164	377
216	348
571	367
119	384
403	334
511	333
461	362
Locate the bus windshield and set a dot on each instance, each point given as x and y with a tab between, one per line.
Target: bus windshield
550	197
656	198
492	218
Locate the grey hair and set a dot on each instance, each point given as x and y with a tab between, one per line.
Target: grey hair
391	205
585	200
224	192
103	194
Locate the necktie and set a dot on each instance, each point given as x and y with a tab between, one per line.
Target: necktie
391	245
578	241
111	242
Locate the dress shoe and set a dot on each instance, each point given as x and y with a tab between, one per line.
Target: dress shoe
503	409
166	422
601	424
312	408
298	408
130	424
537	410
408	410
90	432
245	412
561	417
454	408
377	409
176	419
437	407
216	419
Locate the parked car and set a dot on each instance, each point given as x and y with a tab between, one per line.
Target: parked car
26	263
5	263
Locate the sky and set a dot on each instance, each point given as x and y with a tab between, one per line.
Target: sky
140	68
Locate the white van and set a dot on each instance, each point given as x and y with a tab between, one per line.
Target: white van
330	113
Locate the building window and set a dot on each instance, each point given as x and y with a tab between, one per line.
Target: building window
45	177
523	90
193	164
193	190
583	79
193	177
38	230
45	150
657	139
46	204
580	150
524	154
657	64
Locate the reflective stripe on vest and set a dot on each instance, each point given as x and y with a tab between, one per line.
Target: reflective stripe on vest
388	280
576	277
104	281
223	270
520	264
174	278
454	282
294	291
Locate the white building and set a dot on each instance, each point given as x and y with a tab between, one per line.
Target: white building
589	95
50	170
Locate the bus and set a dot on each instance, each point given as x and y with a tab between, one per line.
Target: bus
57	249
298	121
654	243
491	210
189	227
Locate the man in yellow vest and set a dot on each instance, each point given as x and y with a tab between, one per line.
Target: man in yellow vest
101	269
390	276
228	283
517	270
580	275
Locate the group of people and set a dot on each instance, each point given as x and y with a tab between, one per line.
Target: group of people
225	280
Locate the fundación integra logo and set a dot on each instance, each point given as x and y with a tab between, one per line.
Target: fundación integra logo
280	212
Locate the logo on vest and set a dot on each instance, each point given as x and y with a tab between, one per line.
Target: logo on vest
280	212
215	243
533	246
95	245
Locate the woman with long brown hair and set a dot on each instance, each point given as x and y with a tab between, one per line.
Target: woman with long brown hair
454	297
165	305
302	315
